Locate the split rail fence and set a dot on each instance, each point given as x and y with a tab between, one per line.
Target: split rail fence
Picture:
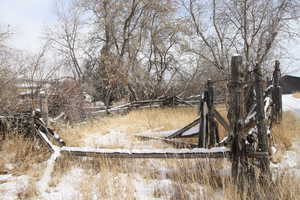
252	111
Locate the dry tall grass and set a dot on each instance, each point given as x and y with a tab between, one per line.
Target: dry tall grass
123	178
137	121
296	95
21	156
285	133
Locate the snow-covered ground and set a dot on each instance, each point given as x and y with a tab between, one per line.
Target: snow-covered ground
290	162
290	103
70	183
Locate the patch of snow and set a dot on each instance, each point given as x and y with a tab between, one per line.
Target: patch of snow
144	189
268	102
224	139
113	138
42	184
192	130
13	186
68	188
290	161
273	150
164	133
199	192
9	166
290	103
250	117
5	177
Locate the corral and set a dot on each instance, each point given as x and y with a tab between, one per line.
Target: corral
248	127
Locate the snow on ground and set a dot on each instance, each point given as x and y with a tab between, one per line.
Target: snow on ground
146	188
290	162
43	183
69	185
112	138
68	188
290	103
12	186
118	139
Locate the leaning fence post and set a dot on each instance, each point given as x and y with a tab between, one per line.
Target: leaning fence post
44	106
261	125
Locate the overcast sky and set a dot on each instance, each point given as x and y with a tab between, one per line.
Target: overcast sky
27	19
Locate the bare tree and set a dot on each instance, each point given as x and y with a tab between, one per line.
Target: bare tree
251	28
140	36
64	37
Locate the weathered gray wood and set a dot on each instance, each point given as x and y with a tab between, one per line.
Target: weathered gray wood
45	140
236	117
184	129
148	155
169	141
213	137
261	125
132	154
277	93
221	120
203	121
44	106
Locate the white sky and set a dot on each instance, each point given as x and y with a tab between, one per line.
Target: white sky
27	19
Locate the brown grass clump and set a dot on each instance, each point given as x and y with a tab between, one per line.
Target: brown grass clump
24	157
23	153
285	133
296	95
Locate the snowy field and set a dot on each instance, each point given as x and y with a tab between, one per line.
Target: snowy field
290	103
72	184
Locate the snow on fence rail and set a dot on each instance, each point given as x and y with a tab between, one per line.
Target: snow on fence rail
217	152
165	101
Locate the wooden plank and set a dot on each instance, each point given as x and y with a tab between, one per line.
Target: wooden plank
169	141
45	140
163	153
263	141
203	125
155	154
221	120
48	132
187	127
44	106
184	102
235	114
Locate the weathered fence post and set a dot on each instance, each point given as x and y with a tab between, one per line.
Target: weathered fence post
44	106
277	93
212	124
203	120
208	130
236	116
264	163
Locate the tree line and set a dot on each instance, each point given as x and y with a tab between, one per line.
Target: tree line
143	49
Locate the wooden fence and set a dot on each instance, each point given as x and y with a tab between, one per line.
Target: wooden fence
250	115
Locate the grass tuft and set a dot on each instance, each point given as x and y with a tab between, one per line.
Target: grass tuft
296	95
